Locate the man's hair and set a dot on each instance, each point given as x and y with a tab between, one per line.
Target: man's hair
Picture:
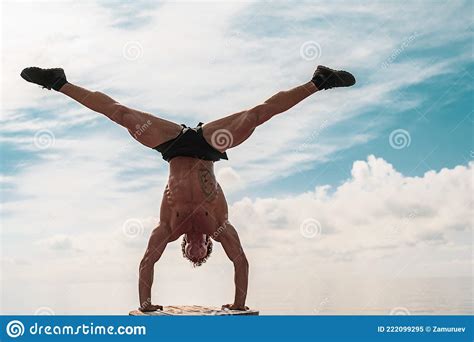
203	260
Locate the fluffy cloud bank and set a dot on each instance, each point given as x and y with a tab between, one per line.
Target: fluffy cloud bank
377	213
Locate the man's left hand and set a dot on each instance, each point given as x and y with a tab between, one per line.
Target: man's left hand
235	307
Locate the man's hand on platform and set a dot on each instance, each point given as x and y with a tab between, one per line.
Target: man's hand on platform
235	307
150	307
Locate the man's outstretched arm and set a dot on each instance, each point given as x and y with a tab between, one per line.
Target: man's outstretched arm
156	245
233	248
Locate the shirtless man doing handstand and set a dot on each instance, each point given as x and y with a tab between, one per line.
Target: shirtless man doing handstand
193	205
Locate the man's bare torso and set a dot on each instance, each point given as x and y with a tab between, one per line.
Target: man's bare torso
193	201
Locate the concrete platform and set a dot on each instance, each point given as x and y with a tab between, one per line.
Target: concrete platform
193	310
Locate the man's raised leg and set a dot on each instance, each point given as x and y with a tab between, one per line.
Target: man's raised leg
145	128
234	129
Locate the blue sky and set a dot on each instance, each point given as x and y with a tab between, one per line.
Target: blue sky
441	129
327	167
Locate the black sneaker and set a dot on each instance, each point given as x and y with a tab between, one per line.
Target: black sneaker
326	78
47	78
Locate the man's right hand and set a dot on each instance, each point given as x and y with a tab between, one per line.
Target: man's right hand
150	307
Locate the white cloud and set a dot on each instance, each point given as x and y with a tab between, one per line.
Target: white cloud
228	178
376	209
58	243
377	223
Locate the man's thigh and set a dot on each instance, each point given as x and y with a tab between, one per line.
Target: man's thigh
229	131
148	129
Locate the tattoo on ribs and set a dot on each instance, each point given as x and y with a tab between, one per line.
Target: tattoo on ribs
208	184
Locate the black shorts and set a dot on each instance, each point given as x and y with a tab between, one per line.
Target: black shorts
189	143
